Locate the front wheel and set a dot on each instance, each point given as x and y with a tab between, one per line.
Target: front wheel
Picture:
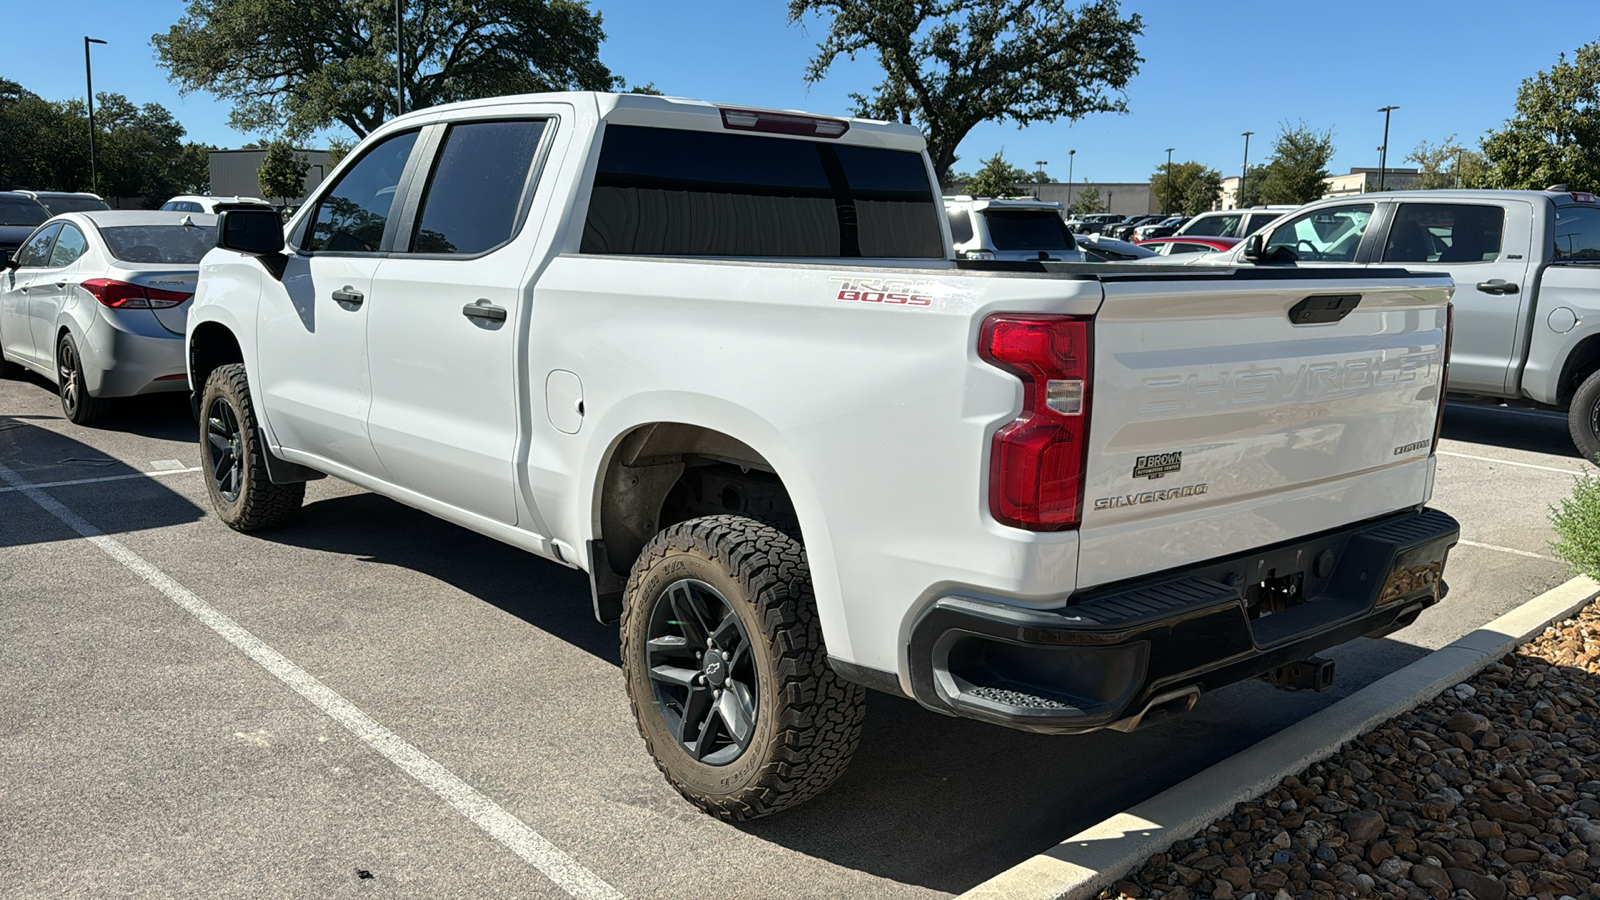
1583	418
235	458
726	670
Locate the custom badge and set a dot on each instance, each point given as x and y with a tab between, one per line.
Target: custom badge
1157	464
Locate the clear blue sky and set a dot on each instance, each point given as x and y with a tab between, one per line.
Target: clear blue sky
1211	71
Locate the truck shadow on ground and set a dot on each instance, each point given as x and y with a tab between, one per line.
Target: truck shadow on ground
1514	429
928	800
42	456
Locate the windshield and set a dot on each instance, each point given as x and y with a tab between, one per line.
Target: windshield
59	205
21	211
160	243
1018	229
1213	226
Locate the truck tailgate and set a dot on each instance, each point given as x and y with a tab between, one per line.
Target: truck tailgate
1235	412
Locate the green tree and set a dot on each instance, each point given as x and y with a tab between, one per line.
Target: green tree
298	66
338	149
1193	188
997	178
1087	201
1447	165
283	171
1299	164
951	65
1554	136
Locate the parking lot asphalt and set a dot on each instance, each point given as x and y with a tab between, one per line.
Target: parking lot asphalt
142	754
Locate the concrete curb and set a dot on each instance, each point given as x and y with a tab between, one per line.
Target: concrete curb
1095	858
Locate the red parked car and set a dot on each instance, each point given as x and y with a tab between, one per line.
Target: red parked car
1182	243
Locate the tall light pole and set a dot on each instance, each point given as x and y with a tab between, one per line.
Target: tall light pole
1072	157
399	58
88	77
1040	176
1383	152
1244	171
1166	203
1458	166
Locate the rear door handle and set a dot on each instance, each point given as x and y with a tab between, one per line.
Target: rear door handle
62	283
488	312
1497	286
348	296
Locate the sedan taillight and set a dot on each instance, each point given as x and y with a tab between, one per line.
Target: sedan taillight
122	295
1037	461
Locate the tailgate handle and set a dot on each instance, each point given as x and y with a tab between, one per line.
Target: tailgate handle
1322	309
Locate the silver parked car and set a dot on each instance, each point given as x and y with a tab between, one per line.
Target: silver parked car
97	302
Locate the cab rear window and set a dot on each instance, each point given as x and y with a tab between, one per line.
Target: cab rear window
670	192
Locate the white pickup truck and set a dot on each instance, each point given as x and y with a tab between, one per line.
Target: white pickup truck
722	360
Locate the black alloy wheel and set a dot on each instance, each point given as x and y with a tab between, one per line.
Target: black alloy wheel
703	672
223	449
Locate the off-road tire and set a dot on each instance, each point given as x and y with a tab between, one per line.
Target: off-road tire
76	404
808	719
258	503
1583	418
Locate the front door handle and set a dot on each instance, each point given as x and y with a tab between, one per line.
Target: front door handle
488	312
348	297
1497	286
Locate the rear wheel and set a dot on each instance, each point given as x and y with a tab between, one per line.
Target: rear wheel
1583	418
234	457
726	669
79	407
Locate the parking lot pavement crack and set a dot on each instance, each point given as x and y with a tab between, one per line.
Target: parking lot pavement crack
511	832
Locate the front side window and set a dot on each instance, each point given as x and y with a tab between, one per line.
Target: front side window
1330	234
351	217
696	193
1213	226
1029	230
35	251
476	189
1444	233
69	246
1577	233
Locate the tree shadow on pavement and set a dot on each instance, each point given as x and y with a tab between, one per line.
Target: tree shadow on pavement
41	456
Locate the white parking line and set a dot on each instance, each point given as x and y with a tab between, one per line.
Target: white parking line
509	830
56	484
1511	463
1528	553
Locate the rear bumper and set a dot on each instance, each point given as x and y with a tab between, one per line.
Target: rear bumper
1117	656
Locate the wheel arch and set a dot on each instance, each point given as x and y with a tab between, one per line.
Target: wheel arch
212	344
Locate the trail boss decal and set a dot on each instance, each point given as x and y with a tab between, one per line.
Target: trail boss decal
1191	490
892	291
1157	464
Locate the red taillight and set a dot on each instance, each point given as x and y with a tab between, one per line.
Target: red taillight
1037	461
783	123
122	295
1444	372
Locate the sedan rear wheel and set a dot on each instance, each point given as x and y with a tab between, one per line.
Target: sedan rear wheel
79	406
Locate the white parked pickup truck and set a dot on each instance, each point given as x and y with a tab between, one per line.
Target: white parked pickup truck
722	360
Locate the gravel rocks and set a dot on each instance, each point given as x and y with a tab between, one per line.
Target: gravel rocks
1491	791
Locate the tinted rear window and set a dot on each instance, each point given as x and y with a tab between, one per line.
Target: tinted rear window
1016	229
1577	231
226	207
476	190
59	205
694	193
21	211
160	243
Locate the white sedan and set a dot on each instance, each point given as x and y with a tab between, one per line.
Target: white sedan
97	302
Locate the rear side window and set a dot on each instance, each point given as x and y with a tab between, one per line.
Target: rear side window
1259	221
70	245
960	225
477	186
160	243
35	252
352	216
1444	233
1577	233
693	193
1214	226
1016	229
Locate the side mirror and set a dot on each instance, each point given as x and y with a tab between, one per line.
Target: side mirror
258	232
1255	248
